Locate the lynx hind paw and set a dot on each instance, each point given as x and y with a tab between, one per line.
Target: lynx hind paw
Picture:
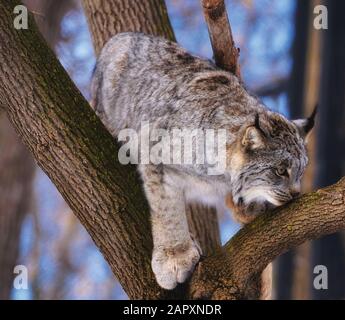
174	265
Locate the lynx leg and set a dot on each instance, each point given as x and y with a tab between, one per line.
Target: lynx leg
175	254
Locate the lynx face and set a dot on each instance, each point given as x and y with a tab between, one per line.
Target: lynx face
273	160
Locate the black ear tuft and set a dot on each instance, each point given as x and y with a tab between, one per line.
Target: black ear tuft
304	126
310	121
257	124
257	121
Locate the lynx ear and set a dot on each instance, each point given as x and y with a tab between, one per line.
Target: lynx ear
254	137
304	126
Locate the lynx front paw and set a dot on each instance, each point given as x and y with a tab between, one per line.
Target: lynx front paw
174	265
243	213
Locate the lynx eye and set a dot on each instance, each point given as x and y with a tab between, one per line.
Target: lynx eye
282	172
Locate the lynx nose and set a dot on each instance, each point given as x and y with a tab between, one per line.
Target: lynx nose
295	190
295	193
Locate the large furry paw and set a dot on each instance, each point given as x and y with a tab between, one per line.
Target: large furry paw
175	265
246	213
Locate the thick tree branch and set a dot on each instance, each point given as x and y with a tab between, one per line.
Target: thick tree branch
72	146
229	273
226	54
149	16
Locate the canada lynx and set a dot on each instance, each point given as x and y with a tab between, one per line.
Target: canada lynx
144	78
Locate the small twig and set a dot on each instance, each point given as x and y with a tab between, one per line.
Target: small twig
35	13
225	52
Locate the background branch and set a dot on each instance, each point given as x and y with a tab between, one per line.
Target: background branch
226	55
272	89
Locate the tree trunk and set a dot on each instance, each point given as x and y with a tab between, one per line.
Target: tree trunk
330	251
108	18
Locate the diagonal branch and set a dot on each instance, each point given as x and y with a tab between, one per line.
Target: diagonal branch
226	54
228	274
78	154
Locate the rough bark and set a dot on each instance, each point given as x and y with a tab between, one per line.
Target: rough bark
75	150
225	52
228	274
106	19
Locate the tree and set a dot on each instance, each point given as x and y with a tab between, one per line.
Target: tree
17	166
75	150
331	159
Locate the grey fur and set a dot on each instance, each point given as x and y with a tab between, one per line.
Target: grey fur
144	78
